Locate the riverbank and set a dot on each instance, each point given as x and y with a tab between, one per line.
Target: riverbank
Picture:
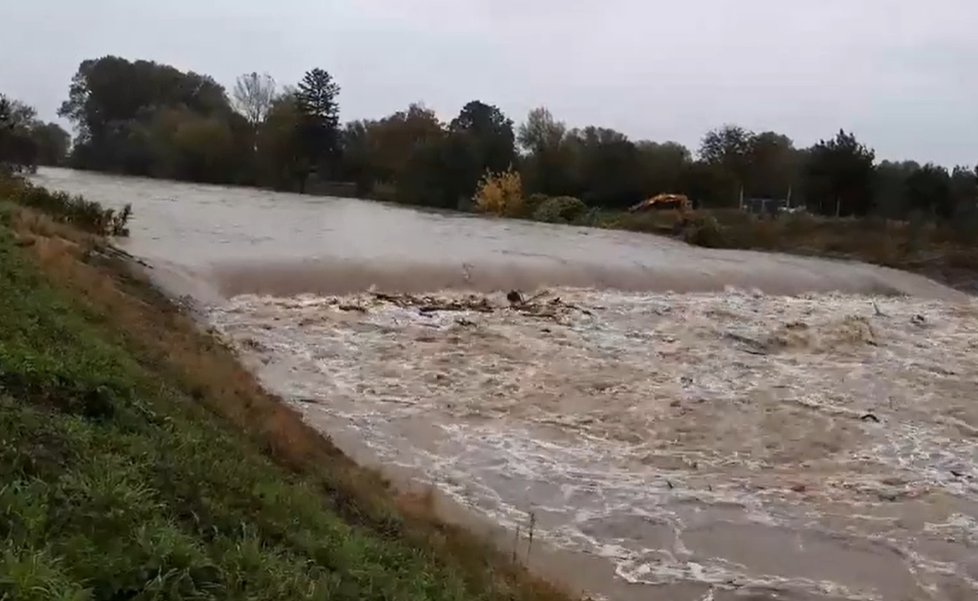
139	457
945	252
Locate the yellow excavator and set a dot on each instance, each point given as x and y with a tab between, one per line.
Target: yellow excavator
679	202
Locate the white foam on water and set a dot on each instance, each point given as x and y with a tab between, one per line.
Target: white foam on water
823	445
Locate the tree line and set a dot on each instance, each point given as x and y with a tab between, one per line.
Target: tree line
144	118
26	141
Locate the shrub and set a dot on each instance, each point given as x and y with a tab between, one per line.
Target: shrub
963	259
500	194
733	217
533	202
963	229
65	208
704	230
799	224
383	192
561	209
593	217
653	222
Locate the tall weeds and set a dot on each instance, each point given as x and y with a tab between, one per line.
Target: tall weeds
75	210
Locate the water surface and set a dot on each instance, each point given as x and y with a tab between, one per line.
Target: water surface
242	240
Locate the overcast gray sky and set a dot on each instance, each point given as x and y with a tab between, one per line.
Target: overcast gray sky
900	73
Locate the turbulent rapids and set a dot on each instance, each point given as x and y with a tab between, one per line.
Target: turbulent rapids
821	445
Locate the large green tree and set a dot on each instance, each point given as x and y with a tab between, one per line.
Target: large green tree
191	146
116	107
25	140
53	143
444	170
279	160
549	164
378	152
541	132
774	165
929	191
358	162
890	190
319	119
394	139
730	149
12	157
839	176
109	91
489	134
964	191
663	166
709	185
609	167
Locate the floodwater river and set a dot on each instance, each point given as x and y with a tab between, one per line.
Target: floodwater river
672	422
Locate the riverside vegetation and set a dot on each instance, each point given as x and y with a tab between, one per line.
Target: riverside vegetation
944	250
139	460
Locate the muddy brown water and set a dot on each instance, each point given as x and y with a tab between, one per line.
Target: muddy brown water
690	424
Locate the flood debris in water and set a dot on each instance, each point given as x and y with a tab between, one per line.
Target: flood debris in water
542	305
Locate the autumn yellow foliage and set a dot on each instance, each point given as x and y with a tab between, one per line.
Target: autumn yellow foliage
500	194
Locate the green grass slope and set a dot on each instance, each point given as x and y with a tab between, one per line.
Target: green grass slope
116	484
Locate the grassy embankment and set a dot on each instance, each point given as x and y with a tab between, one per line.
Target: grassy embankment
138	460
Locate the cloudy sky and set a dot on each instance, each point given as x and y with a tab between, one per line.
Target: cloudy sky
900	73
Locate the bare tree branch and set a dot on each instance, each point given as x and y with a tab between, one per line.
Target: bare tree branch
253	96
